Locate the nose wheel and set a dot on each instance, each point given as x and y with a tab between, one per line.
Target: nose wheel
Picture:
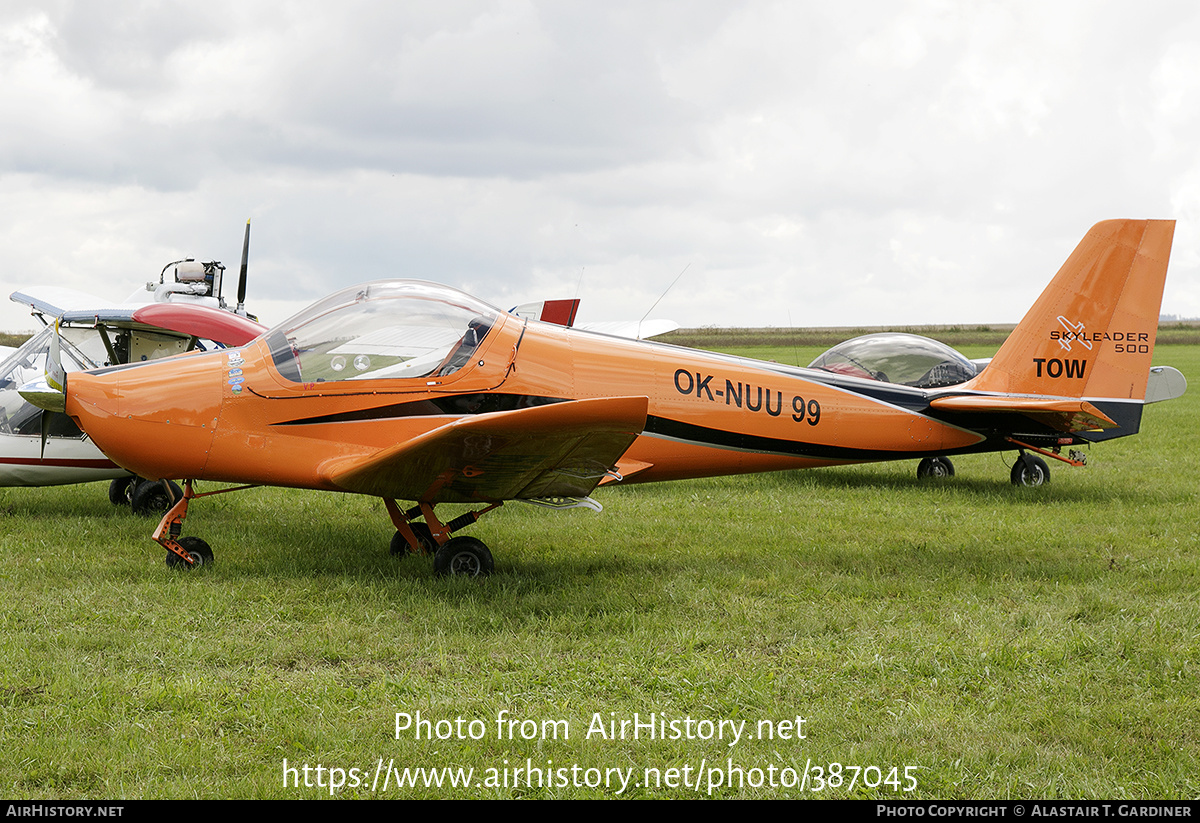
199	552
185	552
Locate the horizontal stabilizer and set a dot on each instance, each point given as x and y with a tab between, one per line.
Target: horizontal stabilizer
1165	383
1063	414
560	450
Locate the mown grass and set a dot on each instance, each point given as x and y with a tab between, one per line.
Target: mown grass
1005	642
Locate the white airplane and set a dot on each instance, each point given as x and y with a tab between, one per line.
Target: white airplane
562	313
183	311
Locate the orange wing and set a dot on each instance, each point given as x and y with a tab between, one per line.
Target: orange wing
560	450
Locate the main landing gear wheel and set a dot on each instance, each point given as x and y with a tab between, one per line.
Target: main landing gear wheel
933	467
463	556
1030	470
200	552
120	491
149	497
400	547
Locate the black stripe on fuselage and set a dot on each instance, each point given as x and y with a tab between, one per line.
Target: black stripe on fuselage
740	441
458	404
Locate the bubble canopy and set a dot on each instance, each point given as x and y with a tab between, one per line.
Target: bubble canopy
895	357
388	329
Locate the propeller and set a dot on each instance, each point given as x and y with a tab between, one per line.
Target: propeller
45	423
241	304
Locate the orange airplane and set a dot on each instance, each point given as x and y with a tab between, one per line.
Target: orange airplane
411	391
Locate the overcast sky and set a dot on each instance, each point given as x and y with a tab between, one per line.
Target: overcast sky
808	164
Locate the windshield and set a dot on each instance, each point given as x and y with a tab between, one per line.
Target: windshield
894	357
80	349
389	329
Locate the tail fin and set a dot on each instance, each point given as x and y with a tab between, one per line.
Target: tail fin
1091	333
559	312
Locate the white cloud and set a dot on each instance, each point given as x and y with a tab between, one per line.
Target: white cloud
823	165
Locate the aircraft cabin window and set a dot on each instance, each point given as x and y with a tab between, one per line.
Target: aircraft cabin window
895	357
393	329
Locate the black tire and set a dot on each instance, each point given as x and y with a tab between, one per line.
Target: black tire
935	468
150	498
1030	470
463	556
400	547
200	551
120	491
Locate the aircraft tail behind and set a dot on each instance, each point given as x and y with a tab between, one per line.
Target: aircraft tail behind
1091	333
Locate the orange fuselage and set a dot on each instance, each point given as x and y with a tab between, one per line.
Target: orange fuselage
230	415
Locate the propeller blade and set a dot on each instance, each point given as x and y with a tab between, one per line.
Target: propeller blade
49	391
241	304
56	376
45	430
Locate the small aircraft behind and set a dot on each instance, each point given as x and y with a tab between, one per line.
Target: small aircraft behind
183	311
412	391
562	313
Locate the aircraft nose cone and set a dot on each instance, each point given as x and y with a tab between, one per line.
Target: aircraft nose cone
41	394
154	418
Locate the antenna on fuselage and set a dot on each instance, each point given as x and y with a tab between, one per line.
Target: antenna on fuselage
795	348
659	300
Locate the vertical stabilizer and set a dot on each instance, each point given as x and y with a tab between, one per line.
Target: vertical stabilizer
1091	333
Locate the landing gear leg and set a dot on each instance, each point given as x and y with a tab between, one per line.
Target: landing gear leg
402	547
451	555
169	531
185	552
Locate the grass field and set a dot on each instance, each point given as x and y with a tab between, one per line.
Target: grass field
962	639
